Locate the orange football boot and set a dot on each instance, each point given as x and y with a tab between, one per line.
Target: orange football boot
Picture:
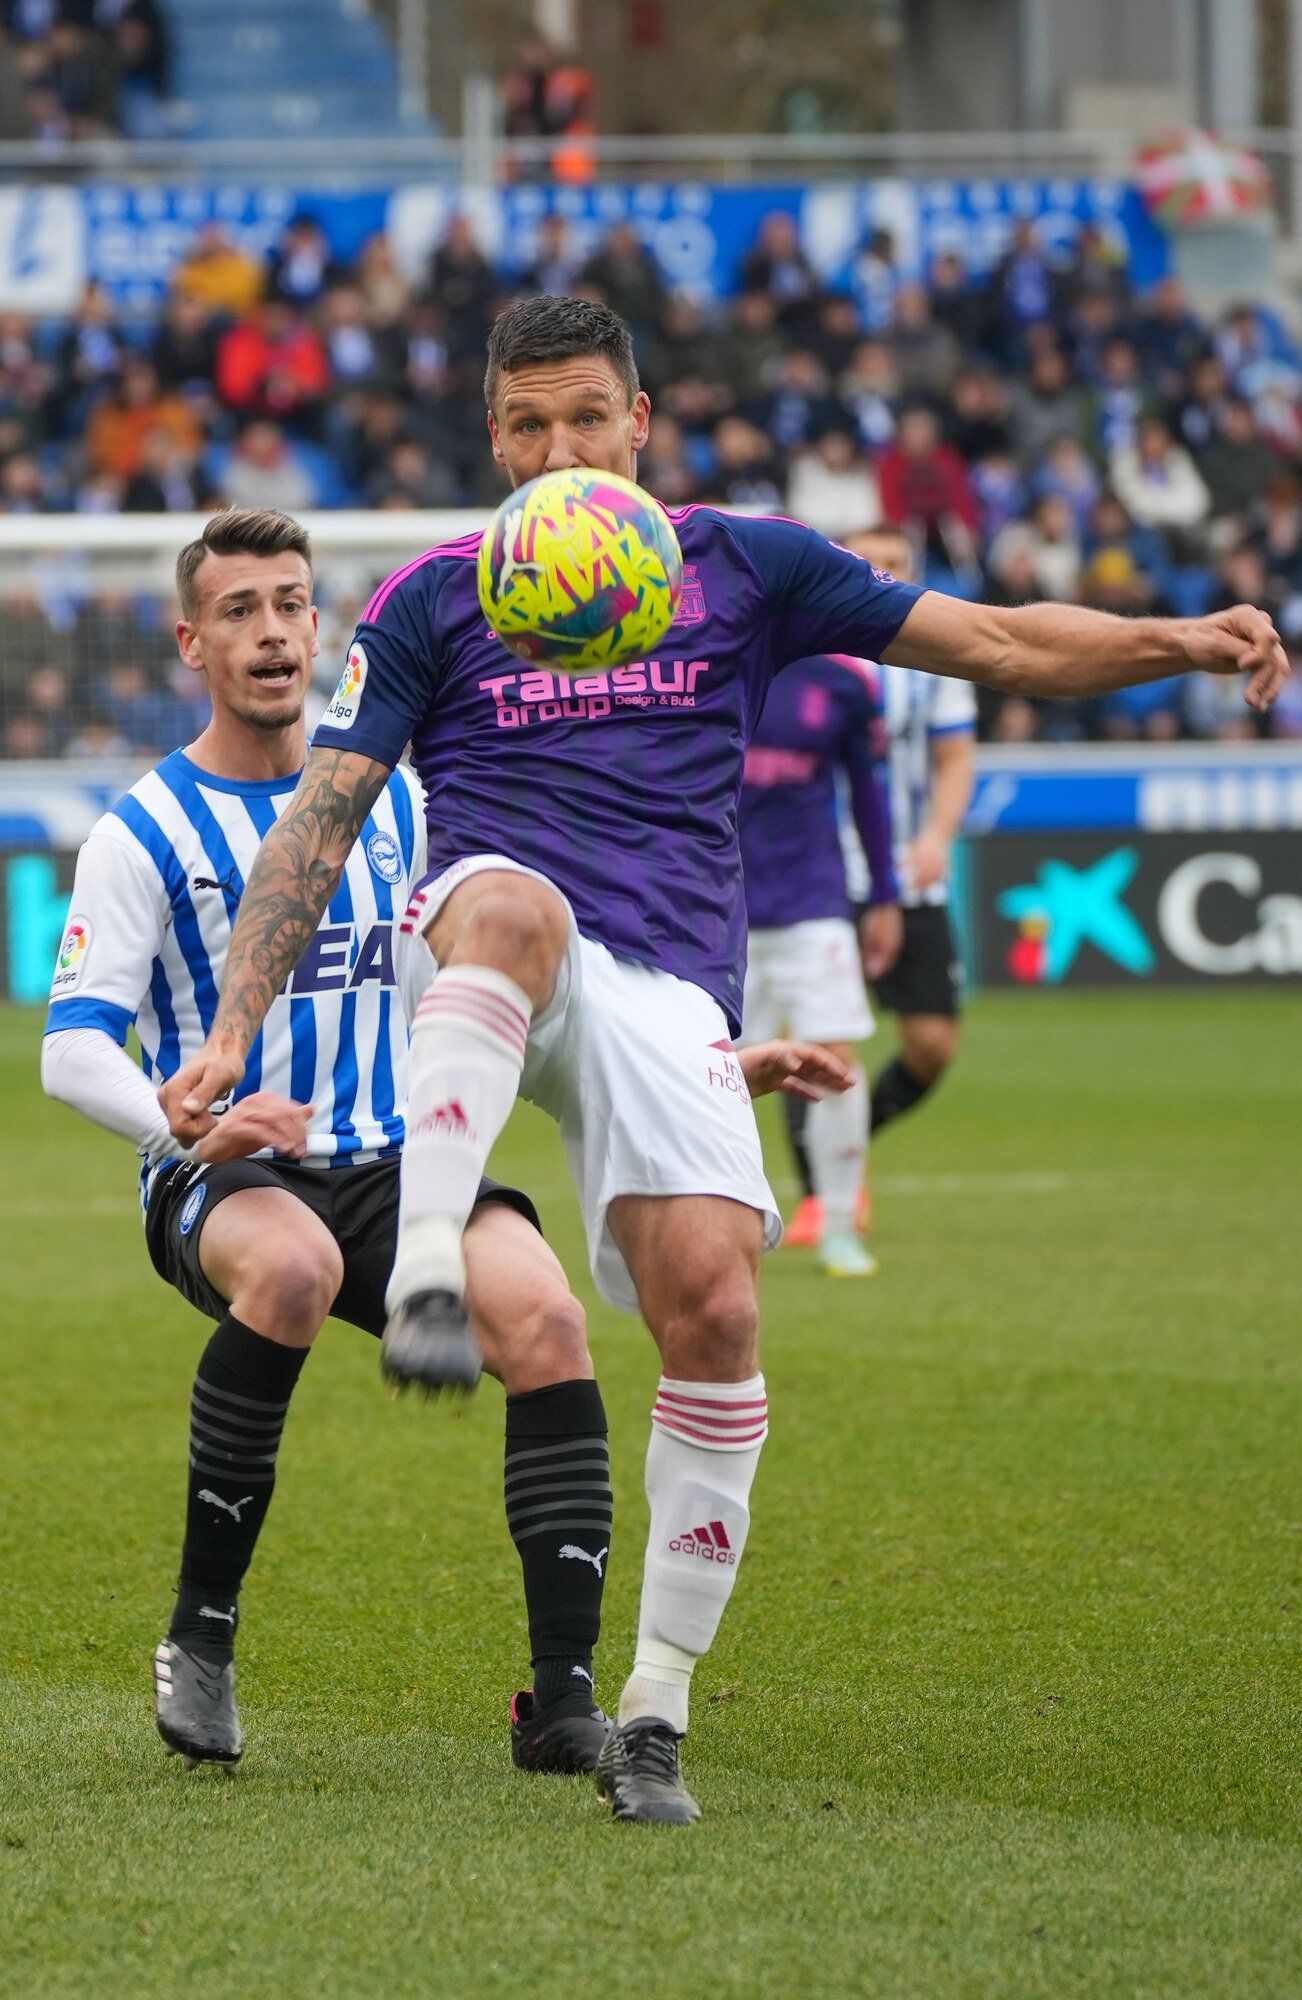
805	1229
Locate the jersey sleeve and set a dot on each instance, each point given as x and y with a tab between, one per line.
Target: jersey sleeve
390	674
821	598
117	920
952	705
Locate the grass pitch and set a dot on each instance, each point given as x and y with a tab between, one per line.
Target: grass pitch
1002	1706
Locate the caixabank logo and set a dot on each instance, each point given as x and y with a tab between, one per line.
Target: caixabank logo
1076	909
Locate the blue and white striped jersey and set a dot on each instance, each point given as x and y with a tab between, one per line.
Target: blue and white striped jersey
157	887
919	707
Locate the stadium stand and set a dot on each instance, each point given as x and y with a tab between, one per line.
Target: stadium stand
1044	432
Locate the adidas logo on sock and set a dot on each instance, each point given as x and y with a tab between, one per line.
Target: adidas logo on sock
711	1544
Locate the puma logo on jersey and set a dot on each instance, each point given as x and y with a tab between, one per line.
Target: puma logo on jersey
231	1507
570	1552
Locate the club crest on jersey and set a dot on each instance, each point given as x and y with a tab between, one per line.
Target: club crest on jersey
190	1207
342	712
691	605
385	857
72	955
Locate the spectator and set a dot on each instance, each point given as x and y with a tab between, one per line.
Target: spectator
629	278
385	291
184	348
136	32
663	466
1237	464
463	285
870	391
684	345
302	266
925	489
556	261
800	406
926	354
747	473
977	419
1025	287
91	351
411	478
272	364
264	470
831	487
1278	531
355	353
836	336
1096	268
875	281
1000	490
545	98
1199	408
168	480
1159	485
117	429
221	277
1119	403
958	304
1068	473
1051	543
778	265
1170	337
1048	405
749	348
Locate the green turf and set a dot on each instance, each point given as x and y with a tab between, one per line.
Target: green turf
1002	1706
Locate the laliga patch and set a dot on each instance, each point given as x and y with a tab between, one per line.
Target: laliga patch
190	1207
72	955
385	857
342	712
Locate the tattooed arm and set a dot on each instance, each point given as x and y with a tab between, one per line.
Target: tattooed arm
296	873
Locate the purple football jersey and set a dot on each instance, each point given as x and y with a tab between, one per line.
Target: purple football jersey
822	716
620	787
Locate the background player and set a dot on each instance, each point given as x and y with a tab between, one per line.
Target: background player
931	724
823	719
585	909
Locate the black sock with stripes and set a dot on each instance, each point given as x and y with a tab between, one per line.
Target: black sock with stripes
559	1511
237	1413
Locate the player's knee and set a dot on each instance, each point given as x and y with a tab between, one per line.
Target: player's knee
713	1336
929	1046
556	1338
520	926
292	1289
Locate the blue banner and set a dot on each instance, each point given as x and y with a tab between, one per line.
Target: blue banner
134	235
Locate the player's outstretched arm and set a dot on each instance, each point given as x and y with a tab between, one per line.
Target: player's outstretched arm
1065	650
296	873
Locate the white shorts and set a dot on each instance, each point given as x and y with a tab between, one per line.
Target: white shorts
636	1067
806	980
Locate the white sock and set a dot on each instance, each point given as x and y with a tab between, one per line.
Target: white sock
700	1463
836	1139
467	1051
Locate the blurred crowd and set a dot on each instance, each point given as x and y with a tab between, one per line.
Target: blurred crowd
82	69
1040	432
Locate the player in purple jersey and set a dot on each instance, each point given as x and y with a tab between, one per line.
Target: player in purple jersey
586	914
822	722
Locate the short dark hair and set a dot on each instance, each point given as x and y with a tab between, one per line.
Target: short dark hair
239	531
548	328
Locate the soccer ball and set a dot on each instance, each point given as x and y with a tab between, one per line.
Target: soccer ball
580	571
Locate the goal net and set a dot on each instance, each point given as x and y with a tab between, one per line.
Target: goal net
89	670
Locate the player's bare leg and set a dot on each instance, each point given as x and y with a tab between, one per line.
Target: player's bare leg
498	942
558	1499
928	1045
280	1268
695	1262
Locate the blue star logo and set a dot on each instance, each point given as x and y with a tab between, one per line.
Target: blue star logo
1076	906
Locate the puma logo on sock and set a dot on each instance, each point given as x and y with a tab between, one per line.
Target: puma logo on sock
231	1507
572	1553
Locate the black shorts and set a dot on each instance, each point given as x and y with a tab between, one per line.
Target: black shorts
926	978
358	1205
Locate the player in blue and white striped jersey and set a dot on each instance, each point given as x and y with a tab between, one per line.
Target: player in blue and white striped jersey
286	1208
